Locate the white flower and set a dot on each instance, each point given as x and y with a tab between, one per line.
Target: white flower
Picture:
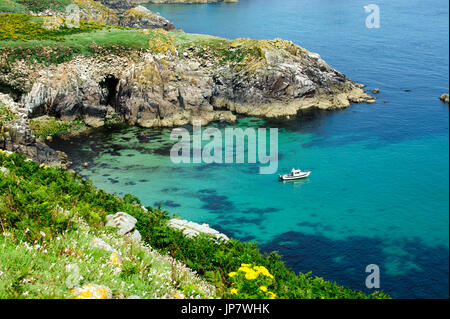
42	233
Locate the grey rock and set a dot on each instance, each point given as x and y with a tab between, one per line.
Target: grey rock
123	221
101	244
4	171
134	235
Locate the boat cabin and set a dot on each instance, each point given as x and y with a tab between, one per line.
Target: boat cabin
296	172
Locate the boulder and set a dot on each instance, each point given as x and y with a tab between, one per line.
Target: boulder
4	171
191	229
123	221
134	235
101	244
142	18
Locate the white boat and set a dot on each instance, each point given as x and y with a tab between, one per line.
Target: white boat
295	174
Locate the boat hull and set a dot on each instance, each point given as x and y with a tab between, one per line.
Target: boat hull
292	178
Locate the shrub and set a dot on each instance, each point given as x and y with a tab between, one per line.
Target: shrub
42	5
251	283
50	126
6	115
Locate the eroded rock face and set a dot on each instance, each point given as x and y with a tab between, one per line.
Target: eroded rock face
126	4
174	88
16	136
142	18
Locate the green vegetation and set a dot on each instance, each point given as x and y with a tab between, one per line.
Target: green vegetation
42	5
40	269
12	6
38	39
6	115
22	27
32	199
50	126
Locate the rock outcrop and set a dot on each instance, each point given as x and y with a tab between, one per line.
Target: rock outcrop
126	224
122	13
16	136
191	229
142	18
172	85
126	4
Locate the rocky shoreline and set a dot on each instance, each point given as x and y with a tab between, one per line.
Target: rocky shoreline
171	89
179	78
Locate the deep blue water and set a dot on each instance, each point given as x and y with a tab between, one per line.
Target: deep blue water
379	189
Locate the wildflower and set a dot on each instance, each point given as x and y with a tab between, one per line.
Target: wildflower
244	269
263	288
234	291
271	295
251	275
263	270
115	259
246	265
232	274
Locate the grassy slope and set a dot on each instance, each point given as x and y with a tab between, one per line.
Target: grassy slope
38	270
30	201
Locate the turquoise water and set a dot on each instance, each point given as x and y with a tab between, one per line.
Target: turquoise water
379	188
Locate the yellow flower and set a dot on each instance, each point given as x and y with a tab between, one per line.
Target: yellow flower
263	288
115	259
232	274
233	291
271	295
244	269
246	265
251	275
263	270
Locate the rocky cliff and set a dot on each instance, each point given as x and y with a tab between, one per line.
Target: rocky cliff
126	4
173	84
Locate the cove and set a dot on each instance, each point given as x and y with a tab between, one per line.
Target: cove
378	193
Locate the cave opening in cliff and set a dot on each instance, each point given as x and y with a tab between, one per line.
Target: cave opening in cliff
15	93
109	85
